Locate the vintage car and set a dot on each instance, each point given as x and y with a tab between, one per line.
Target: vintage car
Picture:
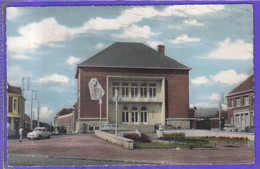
39	133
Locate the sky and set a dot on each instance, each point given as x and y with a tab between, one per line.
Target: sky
46	44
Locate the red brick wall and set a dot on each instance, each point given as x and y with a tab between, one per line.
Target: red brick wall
64	121
177	89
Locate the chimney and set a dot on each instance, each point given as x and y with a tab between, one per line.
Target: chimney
161	49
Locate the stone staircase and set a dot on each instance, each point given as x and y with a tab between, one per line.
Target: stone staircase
147	130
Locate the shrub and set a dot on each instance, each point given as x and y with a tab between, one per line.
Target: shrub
136	137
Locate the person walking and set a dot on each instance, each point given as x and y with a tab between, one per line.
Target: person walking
21	134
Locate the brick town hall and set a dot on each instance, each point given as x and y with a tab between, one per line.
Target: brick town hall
153	88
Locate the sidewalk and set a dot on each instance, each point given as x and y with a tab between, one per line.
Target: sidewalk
91	147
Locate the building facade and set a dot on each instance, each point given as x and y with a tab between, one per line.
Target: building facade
153	88
64	121
241	105
15	109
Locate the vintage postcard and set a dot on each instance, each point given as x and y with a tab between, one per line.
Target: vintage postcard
129	84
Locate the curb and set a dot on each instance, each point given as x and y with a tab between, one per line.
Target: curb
87	158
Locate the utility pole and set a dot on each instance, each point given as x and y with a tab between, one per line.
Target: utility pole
33	97
38	122
26	81
219	114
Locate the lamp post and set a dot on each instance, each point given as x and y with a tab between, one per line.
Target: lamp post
25	86
34	97
100	110
219	114
116	98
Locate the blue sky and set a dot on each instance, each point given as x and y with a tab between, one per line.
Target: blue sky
46	43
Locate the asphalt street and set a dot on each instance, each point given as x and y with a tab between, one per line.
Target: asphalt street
22	160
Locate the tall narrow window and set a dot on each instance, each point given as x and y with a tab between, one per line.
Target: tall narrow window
143	115
114	88
143	90
10	104
125	115
134	115
15	104
246	100
238	103
231	103
125	92
152	90
134	90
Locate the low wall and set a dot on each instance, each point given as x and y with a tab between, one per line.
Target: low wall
127	143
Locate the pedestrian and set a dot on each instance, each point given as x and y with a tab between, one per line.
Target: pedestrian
160	127
21	134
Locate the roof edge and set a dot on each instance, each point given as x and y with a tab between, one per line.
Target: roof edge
129	67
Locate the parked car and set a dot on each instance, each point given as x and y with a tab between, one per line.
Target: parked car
112	127
230	128
250	129
39	133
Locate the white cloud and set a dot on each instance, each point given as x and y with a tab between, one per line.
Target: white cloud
203	104
12	13
190	10
214	96
154	44
135	32
72	60
18	56
15	75
229	77
228	50
46	114
200	80
34	35
99	46
192	23
48	31
182	39
54	78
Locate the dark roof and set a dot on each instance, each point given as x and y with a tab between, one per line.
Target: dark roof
132	55
64	111
246	85
13	89
206	112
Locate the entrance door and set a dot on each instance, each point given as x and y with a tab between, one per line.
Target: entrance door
134	115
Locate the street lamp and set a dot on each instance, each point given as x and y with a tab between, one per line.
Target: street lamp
34	97
116	99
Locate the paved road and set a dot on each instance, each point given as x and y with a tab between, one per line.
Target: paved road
92	147
22	160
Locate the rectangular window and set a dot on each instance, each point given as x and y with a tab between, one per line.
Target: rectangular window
143	90
114	88
125	92
10	104
90	128
134	90
246	100
238	102
96	128
152	90
231	103
15	104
